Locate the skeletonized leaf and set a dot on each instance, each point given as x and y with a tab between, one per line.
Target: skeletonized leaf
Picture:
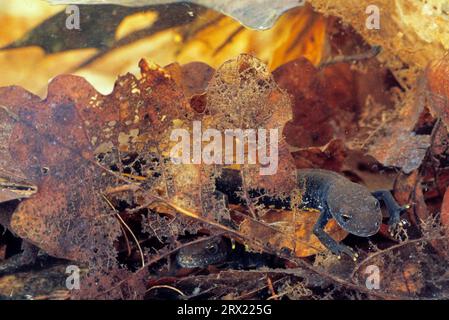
77	143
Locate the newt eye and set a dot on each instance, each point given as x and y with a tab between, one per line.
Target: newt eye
212	248
345	217
377	205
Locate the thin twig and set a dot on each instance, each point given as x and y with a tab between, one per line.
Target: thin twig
153	261
142	257
128	246
246	195
270	286
394	247
295	260
167	287
373	52
249	294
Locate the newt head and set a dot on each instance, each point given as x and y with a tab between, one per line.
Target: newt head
202	254
354	208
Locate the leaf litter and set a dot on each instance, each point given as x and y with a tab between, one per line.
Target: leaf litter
90	178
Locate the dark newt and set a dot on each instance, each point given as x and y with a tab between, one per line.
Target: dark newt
218	250
202	254
353	206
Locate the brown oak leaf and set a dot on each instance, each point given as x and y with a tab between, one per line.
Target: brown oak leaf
77	143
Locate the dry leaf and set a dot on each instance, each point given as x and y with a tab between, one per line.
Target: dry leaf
437	89
76	144
292	230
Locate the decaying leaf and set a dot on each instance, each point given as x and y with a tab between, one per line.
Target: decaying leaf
81	148
291	230
445	209
48	283
437	89
97	182
396	144
243	95
408	189
412	33
310	125
76	144
226	285
13	184
404	150
115	284
408	279
410	282
329	157
325	108
240	95
192	77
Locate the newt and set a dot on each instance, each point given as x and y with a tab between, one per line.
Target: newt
219	250
202	254
351	205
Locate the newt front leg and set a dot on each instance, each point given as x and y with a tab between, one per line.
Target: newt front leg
394	210
327	240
